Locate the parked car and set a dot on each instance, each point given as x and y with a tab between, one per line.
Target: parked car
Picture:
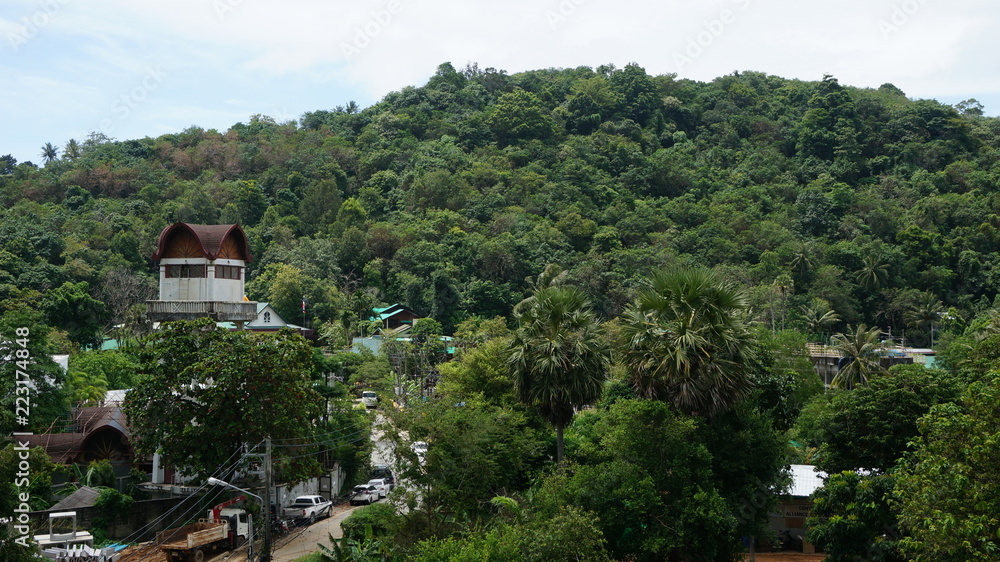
369	398
364	494
381	485
308	508
420	448
383	471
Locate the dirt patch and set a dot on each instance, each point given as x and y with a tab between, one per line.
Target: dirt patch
145	552
788	557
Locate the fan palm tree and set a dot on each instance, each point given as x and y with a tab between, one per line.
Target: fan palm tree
685	342
859	350
559	356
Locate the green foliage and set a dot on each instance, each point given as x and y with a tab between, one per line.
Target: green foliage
100	474
637	461
37	483
559	357
377	520
851	518
685	343
476	452
250	385
947	487
871	426
860	348
12	551
117	369
833	206
519	115
24	341
572	534
113	506
479	372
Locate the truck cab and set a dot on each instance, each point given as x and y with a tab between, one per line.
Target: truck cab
239	524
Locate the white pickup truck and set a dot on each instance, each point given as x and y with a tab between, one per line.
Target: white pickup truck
308	508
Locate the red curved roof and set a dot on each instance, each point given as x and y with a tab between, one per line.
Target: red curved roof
211	240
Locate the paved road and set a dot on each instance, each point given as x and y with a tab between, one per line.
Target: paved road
306	540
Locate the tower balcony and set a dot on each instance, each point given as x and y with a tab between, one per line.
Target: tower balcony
167	311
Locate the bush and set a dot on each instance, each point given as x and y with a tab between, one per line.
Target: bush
380	517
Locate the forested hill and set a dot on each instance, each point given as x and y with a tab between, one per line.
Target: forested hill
818	196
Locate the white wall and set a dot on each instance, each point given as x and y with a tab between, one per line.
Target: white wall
201	288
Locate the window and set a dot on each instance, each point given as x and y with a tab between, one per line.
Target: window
186	271
227	272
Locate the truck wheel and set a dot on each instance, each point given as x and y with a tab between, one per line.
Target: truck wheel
312	518
198	556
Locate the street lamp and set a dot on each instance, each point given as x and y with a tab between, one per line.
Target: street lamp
266	557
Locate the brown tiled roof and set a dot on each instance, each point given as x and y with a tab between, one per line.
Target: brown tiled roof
210	236
62	447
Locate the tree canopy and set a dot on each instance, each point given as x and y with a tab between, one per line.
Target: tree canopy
200	384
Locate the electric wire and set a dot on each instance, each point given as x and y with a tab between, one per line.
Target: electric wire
221	470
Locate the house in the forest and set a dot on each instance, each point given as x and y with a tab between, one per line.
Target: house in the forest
202	274
397	317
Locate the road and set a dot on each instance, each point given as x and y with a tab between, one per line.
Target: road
303	541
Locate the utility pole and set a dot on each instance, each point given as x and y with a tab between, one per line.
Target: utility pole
266	555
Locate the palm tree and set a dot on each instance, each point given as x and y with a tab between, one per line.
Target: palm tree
859	350
803	258
873	273
818	315
924	313
784	285
72	150
685	342
559	356
49	152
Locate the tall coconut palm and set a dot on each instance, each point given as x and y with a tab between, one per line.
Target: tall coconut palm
924	313
874	274
818	315
859	350
685	342
559	356
49	152
72	150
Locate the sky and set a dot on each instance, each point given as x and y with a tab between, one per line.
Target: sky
132	69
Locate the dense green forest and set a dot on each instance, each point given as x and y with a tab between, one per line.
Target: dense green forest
446	197
603	207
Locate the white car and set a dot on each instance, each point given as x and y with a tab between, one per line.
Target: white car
420	448
369	398
364	494
381	485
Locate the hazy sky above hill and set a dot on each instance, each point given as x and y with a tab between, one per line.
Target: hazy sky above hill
132	69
